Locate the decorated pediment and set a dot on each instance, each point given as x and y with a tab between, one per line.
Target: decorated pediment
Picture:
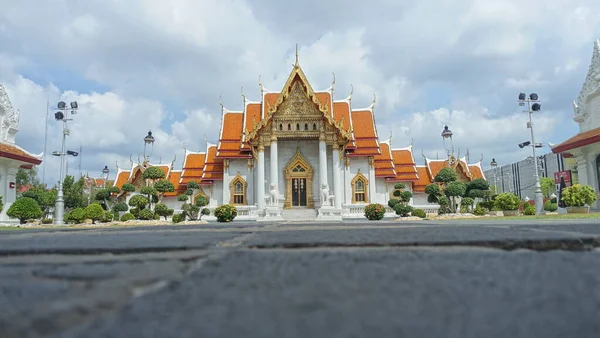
297	113
590	88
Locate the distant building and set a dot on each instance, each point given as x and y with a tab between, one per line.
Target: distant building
519	177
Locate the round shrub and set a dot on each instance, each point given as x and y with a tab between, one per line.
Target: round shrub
127	217
480	210
121	207
507	201
178	218
397	193
47	221
76	215
550	206
529	210
24	208
392	203
225	213
108	217
403	210
205	211
146	214
578	195
374	211
419	213
94	212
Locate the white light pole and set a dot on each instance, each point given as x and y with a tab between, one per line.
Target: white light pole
105	171
494	165
535	107
447	134
61	115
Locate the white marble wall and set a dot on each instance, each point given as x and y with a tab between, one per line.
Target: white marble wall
8	173
356	164
241	166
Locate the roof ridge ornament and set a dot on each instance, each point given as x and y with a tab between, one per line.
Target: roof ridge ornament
297	64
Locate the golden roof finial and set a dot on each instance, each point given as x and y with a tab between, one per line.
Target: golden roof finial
296	64
221	103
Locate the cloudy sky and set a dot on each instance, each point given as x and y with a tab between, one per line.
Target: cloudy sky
137	65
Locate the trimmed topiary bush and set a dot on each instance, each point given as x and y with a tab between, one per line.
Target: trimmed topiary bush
47	221
392	203
528	210
178	218
374	211
76	215
127	217
146	214
94	212
480	210
419	213
507	201
25	208
550	206
578	195
225	213
403	210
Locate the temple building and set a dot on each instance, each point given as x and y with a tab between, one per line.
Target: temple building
585	145
12	157
299	153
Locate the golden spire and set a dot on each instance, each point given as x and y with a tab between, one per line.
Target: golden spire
296	65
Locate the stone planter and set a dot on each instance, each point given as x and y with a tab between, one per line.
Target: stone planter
578	210
510	212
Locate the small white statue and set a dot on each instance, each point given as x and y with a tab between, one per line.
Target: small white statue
273	195
325	194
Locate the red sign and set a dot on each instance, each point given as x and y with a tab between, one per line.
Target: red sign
566	174
11	185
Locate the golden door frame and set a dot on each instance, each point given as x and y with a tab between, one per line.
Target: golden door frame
308	174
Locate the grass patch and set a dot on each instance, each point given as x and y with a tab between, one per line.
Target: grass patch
591	215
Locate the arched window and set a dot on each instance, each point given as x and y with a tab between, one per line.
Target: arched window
297	126
289	126
237	188
314	126
280	126
306	126
360	188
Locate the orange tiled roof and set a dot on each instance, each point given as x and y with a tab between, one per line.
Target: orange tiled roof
404	165
325	98
365	135
579	140
8	150
122	177
230	140
423	179
476	171
174	178
341	110
436	165
384	165
193	167
268	101
213	167
251	115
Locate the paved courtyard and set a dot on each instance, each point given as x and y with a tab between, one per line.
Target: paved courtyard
494	278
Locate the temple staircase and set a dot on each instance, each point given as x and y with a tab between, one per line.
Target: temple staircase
299	215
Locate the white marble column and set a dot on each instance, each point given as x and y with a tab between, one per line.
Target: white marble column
322	162
372	186
260	182
337	171
274	163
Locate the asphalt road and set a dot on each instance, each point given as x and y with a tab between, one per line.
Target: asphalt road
352	279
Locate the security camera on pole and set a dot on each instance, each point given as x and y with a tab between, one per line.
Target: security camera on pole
61	115
533	105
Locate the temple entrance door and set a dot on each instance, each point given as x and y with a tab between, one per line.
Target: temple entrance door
298	192
298	181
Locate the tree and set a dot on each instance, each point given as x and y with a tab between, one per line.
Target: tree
163	210
26	178
454	190
201	202
445	175
153	173
163	186
150	193
94	212
548	186
24	208
138	201
128	187
73	192
45	198
107	196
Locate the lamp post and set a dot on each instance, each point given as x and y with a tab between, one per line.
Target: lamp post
149	139
447	134
61	115
533	105
494	165
105	171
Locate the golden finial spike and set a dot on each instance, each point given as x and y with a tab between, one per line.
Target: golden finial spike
296	56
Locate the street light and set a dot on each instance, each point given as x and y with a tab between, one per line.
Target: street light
62	115
494	165
149	139
105	171
533	105
447	134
